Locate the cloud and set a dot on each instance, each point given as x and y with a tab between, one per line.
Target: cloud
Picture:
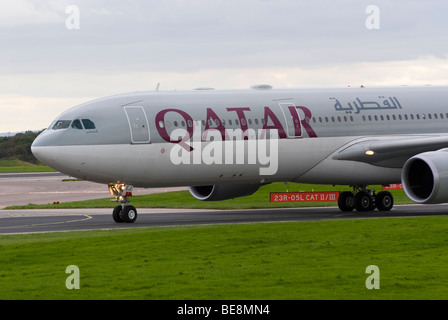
33	107
15	13
21	113
187	36
132	45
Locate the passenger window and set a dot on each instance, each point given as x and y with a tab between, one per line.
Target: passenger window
88	124
62	124
76	124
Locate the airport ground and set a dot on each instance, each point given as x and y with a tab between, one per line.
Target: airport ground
289	253
49	187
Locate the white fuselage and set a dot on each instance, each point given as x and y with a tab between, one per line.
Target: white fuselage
158	139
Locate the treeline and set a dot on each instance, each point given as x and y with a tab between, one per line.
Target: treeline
18	147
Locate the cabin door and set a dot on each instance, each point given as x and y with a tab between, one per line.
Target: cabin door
138	124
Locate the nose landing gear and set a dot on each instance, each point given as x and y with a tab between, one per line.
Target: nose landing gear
123	212
363	199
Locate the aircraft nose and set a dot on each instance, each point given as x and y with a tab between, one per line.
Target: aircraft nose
45	148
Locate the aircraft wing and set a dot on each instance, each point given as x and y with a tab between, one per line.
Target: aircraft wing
392	152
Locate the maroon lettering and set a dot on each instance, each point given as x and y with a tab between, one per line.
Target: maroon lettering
268	114
305	123
296	121
270	122
215	119
160	118
242	119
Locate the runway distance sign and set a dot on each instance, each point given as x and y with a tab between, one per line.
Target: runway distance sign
393	187
304	196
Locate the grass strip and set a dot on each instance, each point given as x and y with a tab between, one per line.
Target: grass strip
297	260
183	199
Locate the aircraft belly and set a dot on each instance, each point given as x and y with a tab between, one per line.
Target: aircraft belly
341	172
167	164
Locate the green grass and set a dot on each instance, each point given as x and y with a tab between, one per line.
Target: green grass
11	166
183	199
297	260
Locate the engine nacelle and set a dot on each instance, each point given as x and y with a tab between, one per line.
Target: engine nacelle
223	192
425	177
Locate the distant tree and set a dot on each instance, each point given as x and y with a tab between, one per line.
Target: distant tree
18	147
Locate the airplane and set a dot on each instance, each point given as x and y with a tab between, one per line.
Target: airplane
225	144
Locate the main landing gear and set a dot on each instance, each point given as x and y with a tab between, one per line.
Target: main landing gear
123	212
363	199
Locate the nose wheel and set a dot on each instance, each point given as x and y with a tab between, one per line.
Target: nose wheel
126	214
123	213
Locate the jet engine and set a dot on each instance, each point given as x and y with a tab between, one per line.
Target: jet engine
223	192
425	177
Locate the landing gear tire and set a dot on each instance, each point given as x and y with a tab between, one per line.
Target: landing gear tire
364	202
116	214
124	212
384	201
346	201
129	214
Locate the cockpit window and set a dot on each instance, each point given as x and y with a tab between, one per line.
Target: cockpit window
62	124
88	124
77	124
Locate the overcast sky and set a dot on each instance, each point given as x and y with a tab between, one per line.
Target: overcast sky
48	65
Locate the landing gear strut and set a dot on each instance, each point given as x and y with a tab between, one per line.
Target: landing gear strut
123	212
363	199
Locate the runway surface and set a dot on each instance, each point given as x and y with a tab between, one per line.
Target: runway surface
42	188
31	221
49	187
